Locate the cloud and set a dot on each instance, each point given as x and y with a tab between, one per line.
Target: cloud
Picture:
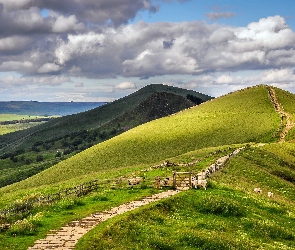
64	24
219	15
224	79
87	11
49	68
16	81
125	85
89	39
79	85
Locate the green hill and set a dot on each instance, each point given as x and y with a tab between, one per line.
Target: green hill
91	119
240	117
229	215
27	152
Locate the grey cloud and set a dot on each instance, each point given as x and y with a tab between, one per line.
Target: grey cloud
219	15
137	50
168	44
92	11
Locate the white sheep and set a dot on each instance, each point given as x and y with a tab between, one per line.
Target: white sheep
196	183
134	181
258	190
270	195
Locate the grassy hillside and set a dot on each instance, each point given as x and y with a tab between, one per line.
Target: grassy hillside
28	152
240	117
93	118
229	215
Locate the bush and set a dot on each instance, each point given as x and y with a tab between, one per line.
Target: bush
26	226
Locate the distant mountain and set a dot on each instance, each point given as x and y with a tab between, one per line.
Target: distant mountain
74	133
46	108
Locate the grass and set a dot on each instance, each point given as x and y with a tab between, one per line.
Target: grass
233	217
229	215
72	134
218	218
25	232
9	128
240	117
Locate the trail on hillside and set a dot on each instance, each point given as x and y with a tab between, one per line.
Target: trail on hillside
284	115
67	237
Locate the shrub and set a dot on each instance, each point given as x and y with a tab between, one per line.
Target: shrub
26	226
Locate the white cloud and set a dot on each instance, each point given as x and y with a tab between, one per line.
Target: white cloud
224	79
125	85
15	66
79	85
49	68
64	24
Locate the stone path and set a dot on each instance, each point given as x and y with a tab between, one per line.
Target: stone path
67	237
289	122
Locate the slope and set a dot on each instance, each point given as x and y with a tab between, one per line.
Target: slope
228	215
90	119
239	117
31	151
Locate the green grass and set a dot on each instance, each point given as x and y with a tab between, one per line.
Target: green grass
218	218
246	116
233	217
5	129
14	117
229	215
53	217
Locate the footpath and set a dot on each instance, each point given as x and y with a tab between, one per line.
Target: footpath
279	109
67	237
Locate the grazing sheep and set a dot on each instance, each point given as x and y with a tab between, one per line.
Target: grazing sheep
168	181
270	195
258	190
196	183
134	181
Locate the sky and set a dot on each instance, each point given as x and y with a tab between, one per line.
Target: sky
102	50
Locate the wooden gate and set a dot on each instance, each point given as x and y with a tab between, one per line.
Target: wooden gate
182	180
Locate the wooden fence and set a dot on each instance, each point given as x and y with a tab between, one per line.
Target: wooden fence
182	180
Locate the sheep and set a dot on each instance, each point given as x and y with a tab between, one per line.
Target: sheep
196	183
202	183
134	181
258	190
168	181
270	195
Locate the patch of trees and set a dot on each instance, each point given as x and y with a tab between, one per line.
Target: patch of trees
194	99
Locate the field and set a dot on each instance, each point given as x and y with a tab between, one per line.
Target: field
9	128
229	215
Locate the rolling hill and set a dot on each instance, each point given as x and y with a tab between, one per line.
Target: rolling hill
94	118
229	215
27	152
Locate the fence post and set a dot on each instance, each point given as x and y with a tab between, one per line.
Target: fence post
174	180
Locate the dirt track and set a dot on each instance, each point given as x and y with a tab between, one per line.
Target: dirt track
67	237
289	122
